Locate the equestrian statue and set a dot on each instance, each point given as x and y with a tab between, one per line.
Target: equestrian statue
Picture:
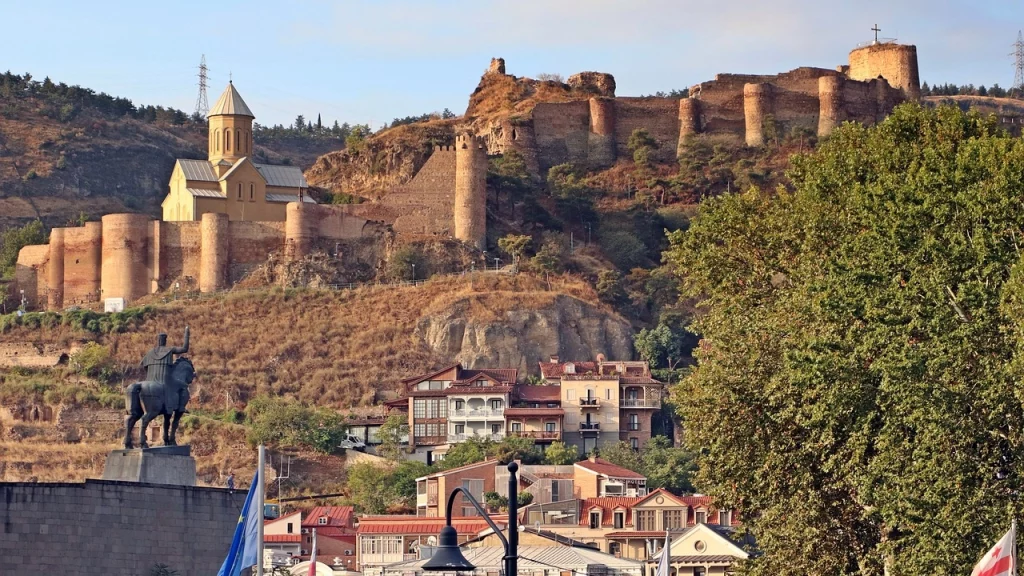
164	392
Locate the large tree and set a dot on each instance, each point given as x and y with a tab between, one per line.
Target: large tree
857	394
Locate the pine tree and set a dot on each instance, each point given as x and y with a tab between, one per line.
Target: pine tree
319	126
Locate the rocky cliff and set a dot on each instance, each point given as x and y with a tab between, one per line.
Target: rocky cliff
519	338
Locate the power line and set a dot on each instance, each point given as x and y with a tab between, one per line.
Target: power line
202	104
1018	54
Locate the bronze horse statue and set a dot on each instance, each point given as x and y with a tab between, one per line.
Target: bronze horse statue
149	399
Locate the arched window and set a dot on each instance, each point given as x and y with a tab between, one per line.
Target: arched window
248	141
218	141
239	190
227	140
238	140
252	191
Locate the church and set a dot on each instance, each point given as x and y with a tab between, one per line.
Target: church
229	182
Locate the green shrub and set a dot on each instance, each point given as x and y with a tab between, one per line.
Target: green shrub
95	361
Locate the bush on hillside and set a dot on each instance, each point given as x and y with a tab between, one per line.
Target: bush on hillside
286	423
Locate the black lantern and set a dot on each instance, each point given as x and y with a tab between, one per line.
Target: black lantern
447	556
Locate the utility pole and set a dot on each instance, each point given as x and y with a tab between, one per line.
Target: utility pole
1018	55
202	104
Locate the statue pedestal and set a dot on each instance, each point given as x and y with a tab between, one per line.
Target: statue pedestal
159	465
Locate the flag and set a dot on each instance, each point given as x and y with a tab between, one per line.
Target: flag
312	556
664	564
245	545
1001	559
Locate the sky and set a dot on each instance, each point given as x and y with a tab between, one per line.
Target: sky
369	61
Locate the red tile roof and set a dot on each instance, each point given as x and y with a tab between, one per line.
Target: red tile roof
601	466
420	378
636	534
486	461
534	412
419	525
638	380
337	517
500	374
283	538
608	504
556	369
540	393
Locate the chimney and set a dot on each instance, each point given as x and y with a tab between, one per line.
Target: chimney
554	359
592	458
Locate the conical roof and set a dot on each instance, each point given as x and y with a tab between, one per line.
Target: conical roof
230	103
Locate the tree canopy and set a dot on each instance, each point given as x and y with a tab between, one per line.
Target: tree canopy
857	394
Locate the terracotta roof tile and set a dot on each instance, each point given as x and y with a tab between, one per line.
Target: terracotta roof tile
337	516
412	525
601	466
608	504
540	393
534	412
283	538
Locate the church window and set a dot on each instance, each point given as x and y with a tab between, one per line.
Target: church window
239	190
227	140
218	141
252	191
238	140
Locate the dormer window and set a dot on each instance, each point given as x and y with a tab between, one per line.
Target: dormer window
595	519
570	368
618	519
702	517
724	518
322	521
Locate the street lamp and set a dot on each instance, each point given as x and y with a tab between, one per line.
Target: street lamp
413	272
448	556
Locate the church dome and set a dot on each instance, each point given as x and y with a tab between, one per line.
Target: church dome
230	103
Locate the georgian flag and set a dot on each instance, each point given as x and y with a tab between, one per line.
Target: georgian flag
1001	559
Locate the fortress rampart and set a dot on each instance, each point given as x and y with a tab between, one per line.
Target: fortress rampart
470	211
805	100
130	255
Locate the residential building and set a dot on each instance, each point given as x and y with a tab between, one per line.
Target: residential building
598	477
228	181
433	490
387	540
605	401
284	536
454	404
701	550
335	535
536	413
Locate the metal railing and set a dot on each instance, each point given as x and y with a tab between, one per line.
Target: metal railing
639	403
590	426
589	401
456	438
477	413
536	435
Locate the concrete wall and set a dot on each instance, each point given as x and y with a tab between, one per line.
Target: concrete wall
101	528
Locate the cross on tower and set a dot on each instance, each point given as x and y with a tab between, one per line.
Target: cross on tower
876	30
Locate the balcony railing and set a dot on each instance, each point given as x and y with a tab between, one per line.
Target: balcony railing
456	438
497	413
590	427
639	403
588	402
537	434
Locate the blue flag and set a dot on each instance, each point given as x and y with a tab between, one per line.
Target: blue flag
245	545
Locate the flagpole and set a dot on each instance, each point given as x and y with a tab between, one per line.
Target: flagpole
260	510
1013	549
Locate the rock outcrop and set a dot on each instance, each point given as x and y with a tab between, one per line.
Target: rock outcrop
568	327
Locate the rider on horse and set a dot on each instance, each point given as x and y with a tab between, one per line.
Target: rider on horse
158	362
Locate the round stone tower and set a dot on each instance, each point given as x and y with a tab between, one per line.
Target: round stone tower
689	121
601	149
214	233
230	127
470	191
125	252
830	100
299	230
757	104
897	63
55	271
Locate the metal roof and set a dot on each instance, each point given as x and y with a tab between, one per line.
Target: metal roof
230	103
288	198
197	170
533	558
206	193
285	176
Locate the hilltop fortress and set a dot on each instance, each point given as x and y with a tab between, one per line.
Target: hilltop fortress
223	217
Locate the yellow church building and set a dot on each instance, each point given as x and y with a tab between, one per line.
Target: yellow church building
229	182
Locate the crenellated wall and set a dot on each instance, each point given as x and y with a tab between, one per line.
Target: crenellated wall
129	256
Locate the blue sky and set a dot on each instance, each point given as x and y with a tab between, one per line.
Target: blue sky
370	61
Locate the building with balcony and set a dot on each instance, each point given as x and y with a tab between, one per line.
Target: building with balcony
386	540
536	413
605	401
432	490
596	477
452	405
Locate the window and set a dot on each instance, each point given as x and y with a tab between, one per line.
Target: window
615	549
252	191
634	422
631	394
673	519
227	140
570	394
460	428
702	517
348	552
723	518
645	520
238	139
322	520
590	393
239	190
607	393
430	408
549	427
634	443
495	404
460	404
595	520
289	528
419	408
618	520
495	428
589	444
218	141
554	491
517	426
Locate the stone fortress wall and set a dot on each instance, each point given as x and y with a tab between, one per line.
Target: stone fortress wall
102	528
595	132
130	255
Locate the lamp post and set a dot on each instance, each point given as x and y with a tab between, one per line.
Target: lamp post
448	557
